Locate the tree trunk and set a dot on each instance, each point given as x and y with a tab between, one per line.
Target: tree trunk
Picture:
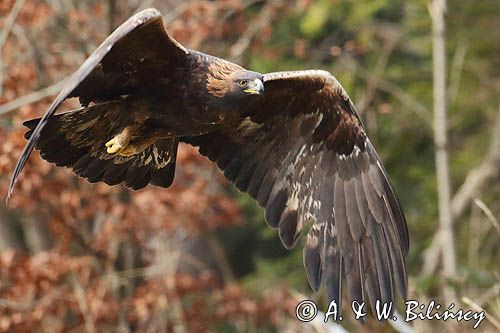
437	10
8	237
36	235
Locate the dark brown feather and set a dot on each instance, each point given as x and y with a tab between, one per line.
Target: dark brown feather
76	140
302	153
125	61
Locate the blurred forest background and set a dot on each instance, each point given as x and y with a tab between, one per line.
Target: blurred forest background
76	257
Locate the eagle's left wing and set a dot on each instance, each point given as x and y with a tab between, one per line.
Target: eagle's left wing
303	154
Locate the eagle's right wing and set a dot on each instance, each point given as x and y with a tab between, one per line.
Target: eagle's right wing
137	51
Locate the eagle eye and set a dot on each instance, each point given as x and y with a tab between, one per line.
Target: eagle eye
242	83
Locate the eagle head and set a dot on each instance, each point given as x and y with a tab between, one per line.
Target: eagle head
246	83
232	84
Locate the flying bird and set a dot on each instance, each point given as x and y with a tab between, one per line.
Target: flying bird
291	140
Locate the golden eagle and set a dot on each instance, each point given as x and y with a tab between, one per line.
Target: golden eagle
291	140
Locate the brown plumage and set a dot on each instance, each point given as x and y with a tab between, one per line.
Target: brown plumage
218	76
299	150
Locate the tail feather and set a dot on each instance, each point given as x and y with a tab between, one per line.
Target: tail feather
60	153
115	174
76	140
164	177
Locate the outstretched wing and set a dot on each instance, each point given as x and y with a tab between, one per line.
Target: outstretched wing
135	54
303	154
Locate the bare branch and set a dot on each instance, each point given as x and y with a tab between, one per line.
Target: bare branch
478	308
479	177
8	24
474	183
31	97
373	81
111	15
82	304
489	294
457	66
176	12
9	21
447	242
8	235
404	98
488	213
36	234
221	259
267	13
143	5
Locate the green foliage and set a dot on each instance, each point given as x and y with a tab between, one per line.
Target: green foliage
316	17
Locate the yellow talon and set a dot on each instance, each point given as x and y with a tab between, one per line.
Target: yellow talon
113	146
119	142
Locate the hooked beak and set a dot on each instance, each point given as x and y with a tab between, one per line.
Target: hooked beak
255	87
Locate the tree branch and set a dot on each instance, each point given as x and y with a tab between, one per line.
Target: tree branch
8	24
8	235
374	78
437	10
236	51
478	308
489	214
474	183
31	97
404	98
